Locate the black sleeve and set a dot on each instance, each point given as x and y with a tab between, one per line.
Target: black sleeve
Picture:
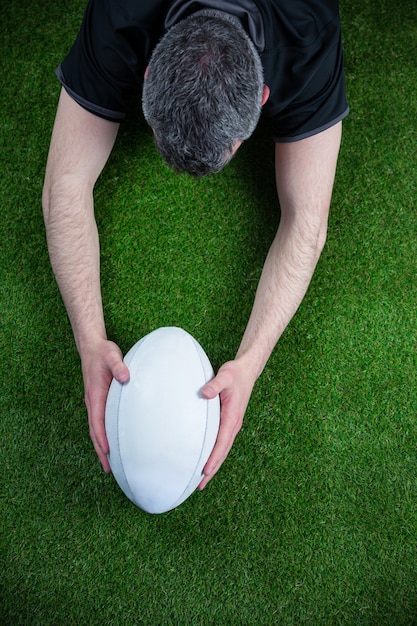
304	68
319	105
105	66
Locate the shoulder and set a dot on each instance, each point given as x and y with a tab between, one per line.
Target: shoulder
303	66
108	58
297	23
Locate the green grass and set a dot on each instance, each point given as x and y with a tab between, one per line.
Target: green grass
313	518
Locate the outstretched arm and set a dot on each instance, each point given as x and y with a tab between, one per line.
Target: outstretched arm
80	146
305	173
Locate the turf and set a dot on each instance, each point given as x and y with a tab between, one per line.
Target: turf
313	518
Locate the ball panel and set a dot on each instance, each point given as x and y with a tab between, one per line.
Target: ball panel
164	430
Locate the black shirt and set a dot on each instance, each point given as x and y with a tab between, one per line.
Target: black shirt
299	42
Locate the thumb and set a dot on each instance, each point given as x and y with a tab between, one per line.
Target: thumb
122	374
117	367
215	386
209	391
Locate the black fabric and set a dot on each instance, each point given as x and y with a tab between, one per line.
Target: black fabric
245	10
301	54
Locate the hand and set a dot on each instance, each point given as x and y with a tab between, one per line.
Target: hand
100	365
234	386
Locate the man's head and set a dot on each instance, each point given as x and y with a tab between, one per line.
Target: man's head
203	92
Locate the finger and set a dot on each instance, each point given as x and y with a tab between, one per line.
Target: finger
95	408
215	386
217	457
102	456
224	442
216	461
96	405
118	369
101	447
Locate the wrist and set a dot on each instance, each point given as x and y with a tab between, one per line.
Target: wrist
251	363
87	342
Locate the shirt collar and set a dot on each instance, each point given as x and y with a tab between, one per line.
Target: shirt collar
245	10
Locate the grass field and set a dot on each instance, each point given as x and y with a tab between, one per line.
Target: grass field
313	518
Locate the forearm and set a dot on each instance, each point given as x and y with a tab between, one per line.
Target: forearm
285	278
74	253
80	145
305	172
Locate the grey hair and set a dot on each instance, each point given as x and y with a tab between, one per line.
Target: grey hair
203	92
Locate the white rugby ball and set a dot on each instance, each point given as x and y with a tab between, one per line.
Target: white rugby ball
160	430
